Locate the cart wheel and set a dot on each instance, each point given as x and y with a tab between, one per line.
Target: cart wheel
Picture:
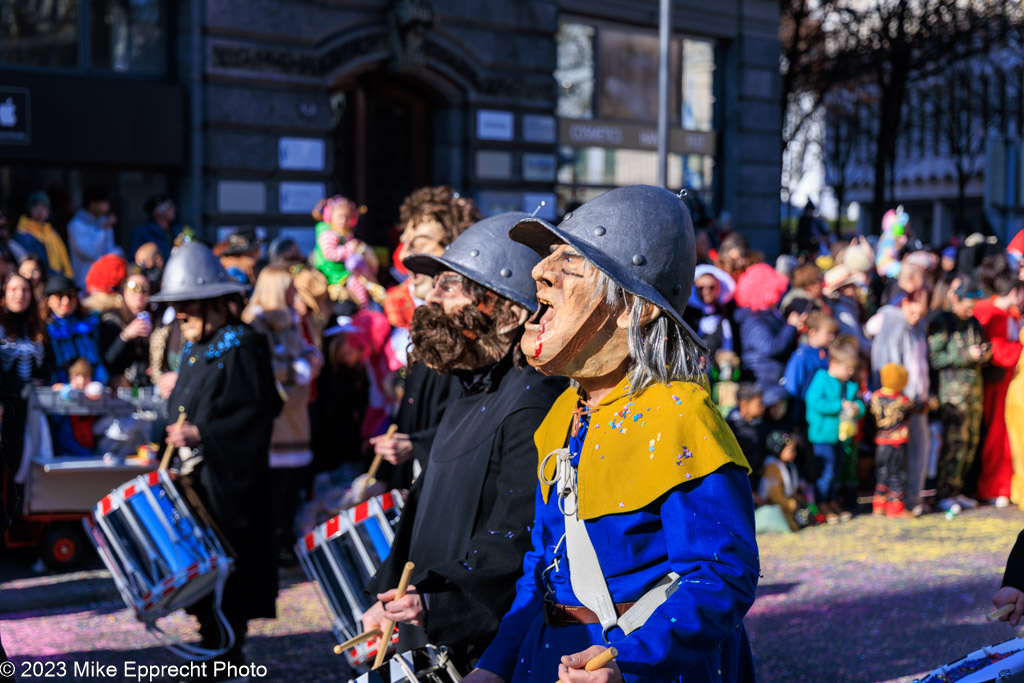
62	546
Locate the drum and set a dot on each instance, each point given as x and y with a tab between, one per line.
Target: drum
428	664
1003	662
340	556
161	557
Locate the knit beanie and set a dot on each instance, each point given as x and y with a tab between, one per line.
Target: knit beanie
106	274
38	197
894	377
760	287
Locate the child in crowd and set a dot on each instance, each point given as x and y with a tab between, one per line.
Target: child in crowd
780	486
74	434
899	337
810	357
747	422
891	410
831	400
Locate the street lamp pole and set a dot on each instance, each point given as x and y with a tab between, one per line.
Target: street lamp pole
664	32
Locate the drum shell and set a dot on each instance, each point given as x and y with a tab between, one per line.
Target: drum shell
160	555
429	664
1008	669
341	555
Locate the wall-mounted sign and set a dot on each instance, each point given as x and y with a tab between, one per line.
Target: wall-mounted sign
539	167
15	122
299	197
241	196
495	125
301	154
493	165
540	128
631	136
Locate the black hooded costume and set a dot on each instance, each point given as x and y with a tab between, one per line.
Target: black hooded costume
467	520
226	389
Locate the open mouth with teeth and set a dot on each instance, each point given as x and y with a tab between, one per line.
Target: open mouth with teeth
538	322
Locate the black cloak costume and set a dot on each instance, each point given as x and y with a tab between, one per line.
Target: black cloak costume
466	523
226	389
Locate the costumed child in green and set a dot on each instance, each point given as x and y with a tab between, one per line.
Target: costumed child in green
346	261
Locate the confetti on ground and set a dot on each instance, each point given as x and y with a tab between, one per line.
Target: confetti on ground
901	597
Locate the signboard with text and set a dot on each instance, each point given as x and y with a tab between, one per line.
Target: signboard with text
595	133
15	121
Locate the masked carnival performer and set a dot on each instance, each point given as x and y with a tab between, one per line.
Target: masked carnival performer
466	523
644	533
226	390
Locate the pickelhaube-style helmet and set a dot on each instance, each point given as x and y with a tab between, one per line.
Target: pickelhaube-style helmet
640	236
485	254
194	273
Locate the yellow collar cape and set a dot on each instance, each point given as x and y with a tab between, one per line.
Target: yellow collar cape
640	447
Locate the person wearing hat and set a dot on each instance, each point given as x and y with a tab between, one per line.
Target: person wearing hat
466	523
641	481
226	394
37	236
710	308
72	331
91	232
161	228
239	255
841	287
891	410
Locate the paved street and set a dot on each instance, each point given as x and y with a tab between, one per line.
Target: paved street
871	600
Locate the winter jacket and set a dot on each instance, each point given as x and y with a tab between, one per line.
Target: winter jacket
767	342
825	399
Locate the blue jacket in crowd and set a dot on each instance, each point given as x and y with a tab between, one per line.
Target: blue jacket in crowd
767	342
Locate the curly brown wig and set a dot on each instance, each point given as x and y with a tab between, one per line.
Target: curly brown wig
443	204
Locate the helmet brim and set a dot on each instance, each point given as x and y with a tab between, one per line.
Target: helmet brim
430	265
211	291
540	235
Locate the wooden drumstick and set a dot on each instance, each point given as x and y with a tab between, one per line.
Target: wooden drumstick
389	625
600	660
375	465
1001	612
166	461
361	638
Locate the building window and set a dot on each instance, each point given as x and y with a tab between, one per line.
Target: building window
575	71
608	110
123	36
128	36
41	33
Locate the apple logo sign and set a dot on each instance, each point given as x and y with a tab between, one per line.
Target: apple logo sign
8	113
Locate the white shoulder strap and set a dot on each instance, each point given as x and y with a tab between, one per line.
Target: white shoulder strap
585	574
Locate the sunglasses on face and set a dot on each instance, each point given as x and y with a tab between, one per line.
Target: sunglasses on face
139	287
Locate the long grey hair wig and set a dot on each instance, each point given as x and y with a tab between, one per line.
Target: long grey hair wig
661	351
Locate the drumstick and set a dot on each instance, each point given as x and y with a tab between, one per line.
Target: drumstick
166	461
600	660
361	638
389	625
1001	612
375	465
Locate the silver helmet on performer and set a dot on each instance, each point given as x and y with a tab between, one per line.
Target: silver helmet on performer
194	273
640	236
485	254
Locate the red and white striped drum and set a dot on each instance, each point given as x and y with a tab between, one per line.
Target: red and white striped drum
340	556
1002	663
161	556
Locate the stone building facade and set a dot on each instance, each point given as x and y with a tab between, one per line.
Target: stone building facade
259	107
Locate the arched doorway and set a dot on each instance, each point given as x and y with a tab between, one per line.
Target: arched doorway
383	147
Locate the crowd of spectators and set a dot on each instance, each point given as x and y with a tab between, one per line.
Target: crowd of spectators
859	375
872	374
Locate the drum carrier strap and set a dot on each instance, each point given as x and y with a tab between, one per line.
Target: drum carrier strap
585	574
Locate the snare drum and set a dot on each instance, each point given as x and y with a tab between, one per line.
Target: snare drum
160	556
340	556
427	664
1003	663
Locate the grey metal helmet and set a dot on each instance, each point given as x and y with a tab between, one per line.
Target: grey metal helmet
640	236
485	254
193	273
